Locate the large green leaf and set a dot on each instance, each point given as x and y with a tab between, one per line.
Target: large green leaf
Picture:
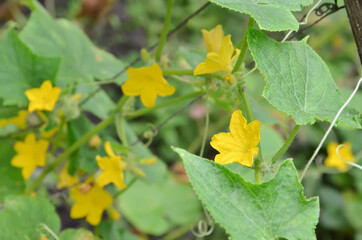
20	70
274	209
271	15
11	179
27	218
298	82
166	206
81	60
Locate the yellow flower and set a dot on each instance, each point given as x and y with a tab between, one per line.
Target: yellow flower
90	202
19	120
240	144
112	168
333	160
43	98
219	61
113	213
30	154
65	179
213	38
147	82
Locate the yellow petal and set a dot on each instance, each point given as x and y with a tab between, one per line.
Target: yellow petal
108	148
94	216
213	38
79	210
43	98
103	179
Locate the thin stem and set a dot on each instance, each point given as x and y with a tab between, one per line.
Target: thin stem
329	130
244	46
58	137
245	105
286	144
181	72
75	146
207	122
164	30
119	193
144	111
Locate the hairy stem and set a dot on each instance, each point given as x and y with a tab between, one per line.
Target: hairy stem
286	144
243	44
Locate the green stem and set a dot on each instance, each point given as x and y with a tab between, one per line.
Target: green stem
75	146
123	190
164	30
207	122
286	144
144	111
181	72
170	71
58	137
245	105
244	46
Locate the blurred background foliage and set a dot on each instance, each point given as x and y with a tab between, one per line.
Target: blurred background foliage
123	27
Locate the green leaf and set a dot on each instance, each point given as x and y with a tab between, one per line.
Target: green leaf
26	218
166	206
20	70
271	15
274	209
81	60
298	82
76	234
11	179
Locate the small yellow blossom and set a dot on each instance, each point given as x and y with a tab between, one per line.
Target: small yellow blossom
219	61
148	161
19	120
42	237
147	82
30	154
333	160
43	98
213	38
112	168
89	203
65	179
94	141
240	144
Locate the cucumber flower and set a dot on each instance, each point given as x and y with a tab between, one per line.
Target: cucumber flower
65	179
90	202
344	152
147	82
219	61
43	98
240	144
30	154
112	168
19	120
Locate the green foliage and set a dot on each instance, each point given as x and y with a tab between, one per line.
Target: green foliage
21	69
13	182
271	15
167	205
298	81
27	218
274	209
76	234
